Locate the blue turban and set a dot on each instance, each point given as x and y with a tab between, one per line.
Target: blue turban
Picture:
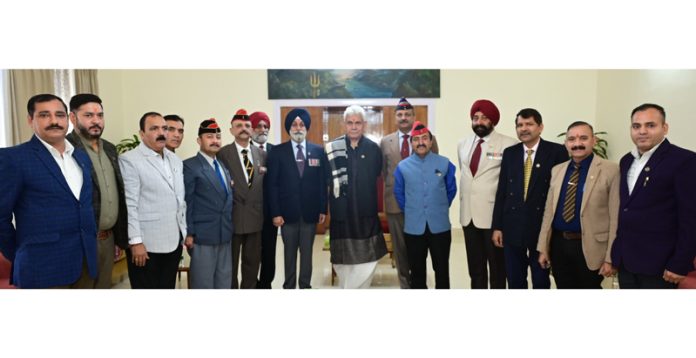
297	112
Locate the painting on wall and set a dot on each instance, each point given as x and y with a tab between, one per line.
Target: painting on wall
338	84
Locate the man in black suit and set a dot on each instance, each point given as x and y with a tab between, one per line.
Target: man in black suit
520	200
297	187
261	124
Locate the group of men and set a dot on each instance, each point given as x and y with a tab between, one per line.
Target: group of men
524	205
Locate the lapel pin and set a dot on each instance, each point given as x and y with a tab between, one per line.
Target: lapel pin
647	169
538	165
362	156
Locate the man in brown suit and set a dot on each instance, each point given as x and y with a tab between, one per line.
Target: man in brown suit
581	215
246	165
396	147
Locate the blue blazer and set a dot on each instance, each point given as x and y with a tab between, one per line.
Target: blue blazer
657	222
292	195
53	231
520	220
208	206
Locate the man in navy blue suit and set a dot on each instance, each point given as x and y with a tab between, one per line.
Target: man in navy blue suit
208	212
297	187
656	237
525	174
46	184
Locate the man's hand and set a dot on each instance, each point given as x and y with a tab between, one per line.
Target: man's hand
497	238
672	277
322	218
607	270
278	221
188	242
139	254
544	261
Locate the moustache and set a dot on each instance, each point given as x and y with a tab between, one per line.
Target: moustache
525	133
54	126
215	145
421	146
96	126
160	138
578	147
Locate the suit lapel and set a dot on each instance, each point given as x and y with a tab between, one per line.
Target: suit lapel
540	161
210	174
649	168
466	161
592	174
240	186
86	175
50	163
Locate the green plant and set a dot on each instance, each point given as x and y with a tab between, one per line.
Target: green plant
600	148
127	144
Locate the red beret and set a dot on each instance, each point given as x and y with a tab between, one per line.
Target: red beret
418	129
256	117
488	108
241	114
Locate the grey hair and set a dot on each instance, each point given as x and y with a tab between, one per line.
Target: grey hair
354	110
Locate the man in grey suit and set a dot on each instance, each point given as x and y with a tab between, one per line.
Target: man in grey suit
395	148
246	165
154	183
208	212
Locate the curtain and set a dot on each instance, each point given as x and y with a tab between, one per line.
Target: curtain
23	85
86	82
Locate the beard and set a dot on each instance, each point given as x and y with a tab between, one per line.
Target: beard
85	131
259	138
298	136
482	130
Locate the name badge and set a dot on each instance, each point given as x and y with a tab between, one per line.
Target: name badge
494	155
313	162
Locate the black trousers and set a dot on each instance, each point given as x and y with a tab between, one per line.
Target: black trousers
439	247
159	271
269	240
568	265
482	256
636	280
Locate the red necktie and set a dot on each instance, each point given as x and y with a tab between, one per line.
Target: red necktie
475	158
404	147
261	146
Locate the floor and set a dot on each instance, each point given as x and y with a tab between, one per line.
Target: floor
385	277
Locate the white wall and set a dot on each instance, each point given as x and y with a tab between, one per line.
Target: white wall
619	91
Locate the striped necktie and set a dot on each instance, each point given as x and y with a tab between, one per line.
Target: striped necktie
527	171
571	191
248	166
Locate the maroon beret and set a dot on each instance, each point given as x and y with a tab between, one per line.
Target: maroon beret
488	108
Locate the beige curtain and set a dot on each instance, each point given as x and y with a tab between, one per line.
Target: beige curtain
86	82
23	85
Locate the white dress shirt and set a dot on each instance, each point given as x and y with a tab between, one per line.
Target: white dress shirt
637	166
68	166
534	151
483	146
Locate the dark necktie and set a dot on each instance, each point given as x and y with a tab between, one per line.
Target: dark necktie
571	191
248	166
300	159
475	158
261	146
404	147
220	176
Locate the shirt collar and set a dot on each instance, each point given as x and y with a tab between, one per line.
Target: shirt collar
534	148
208	158
636	154
68	147
240	148
303	144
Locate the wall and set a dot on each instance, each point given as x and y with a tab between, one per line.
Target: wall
619	91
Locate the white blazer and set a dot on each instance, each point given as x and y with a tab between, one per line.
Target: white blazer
156	208
477	193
